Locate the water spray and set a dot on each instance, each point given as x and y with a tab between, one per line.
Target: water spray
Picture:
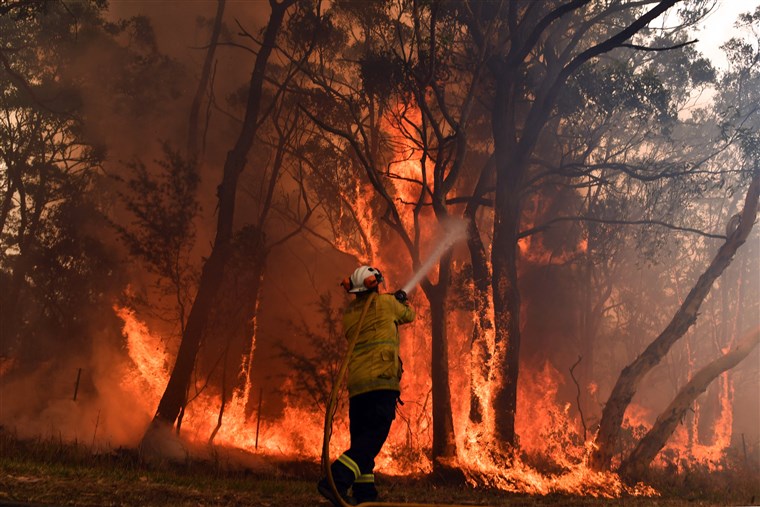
455	231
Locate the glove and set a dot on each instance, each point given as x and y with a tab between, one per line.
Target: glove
401	296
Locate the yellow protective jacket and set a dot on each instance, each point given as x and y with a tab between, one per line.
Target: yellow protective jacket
374	363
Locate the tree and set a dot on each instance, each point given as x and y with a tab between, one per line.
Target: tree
618	174
538	48
638	461
408	136
174	396
47	168
316	373
739	119
162	232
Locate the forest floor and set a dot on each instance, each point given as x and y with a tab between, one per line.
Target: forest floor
48	473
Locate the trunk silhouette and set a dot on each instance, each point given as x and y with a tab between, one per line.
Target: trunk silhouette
444	445
631	376
638	462
173	398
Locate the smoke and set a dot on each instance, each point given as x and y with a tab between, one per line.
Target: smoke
104	414
40	402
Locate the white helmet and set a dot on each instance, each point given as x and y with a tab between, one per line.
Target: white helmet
363	279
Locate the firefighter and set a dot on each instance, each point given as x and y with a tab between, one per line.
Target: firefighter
374	373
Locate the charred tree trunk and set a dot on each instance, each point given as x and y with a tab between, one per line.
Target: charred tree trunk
506	294
631	376
173	398
480	354
192	137
506	302
444	445
638	462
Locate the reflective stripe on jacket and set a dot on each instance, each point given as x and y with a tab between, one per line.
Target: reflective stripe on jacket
374	362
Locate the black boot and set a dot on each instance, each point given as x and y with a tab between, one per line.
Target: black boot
323	486
365	492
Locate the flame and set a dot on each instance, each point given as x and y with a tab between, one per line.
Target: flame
548	434
364	214
297	432
546	429
149	357
684	448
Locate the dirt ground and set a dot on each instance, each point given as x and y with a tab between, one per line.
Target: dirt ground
36	473
102	485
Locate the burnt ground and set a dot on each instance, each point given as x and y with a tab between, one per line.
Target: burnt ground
46	473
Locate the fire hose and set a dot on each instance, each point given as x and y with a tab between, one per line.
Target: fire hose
330	414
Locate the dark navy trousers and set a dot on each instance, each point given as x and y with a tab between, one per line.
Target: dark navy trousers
370	417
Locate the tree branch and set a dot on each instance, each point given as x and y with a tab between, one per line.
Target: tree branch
547	225
667	48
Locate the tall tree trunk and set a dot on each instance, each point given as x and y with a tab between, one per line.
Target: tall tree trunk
638	462
444	445
173	398
504	283
506	302
631	376
193	147
480	351
480	347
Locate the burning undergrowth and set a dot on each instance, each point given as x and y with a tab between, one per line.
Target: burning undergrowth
123	387
553	458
